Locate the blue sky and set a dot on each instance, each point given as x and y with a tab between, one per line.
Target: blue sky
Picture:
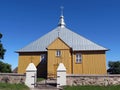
23	21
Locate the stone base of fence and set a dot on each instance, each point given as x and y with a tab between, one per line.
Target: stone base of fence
101	80
71	79
12	78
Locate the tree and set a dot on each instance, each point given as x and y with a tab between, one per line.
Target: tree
5	67
2	50
0	35
114	67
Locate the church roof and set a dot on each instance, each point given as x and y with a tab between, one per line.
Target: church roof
75	41
72	39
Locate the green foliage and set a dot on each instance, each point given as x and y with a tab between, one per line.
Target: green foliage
114	67
2	50
117	87
7	86
5	67
0	35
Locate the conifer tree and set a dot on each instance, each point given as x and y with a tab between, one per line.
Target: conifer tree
2	50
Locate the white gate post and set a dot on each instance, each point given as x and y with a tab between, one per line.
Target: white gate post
61	75
31	75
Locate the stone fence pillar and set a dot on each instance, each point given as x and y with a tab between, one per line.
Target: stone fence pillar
61	75
31	75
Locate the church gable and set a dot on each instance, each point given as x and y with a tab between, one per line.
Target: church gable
58	44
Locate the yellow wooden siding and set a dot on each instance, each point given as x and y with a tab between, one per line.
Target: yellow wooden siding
58	44
94	63
53	60
77	67
25	59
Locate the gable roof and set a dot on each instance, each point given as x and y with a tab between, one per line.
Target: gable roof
73	40
58	44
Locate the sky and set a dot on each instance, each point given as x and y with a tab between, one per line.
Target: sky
23	21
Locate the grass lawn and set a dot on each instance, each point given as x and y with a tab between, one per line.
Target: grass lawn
7	86
92	88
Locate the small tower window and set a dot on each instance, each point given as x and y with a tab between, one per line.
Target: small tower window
78	58
58	53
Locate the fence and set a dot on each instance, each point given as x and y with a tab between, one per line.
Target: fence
72	79
12	78
101	80
29	78
62	79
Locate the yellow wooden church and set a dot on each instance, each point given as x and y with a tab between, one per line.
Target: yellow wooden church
78	54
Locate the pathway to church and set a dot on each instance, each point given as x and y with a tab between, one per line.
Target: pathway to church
46	85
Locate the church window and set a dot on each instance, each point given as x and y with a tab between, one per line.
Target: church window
43	58
78	58
58	53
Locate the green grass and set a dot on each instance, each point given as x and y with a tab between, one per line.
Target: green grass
7	86
40	79
92	87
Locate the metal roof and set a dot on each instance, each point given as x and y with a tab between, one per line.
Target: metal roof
73	40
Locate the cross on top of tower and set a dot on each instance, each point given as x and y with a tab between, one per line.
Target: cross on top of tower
61	10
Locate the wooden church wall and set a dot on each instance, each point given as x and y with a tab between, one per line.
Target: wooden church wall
54	60
26	58
93	62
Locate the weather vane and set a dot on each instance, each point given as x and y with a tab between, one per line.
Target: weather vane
62	10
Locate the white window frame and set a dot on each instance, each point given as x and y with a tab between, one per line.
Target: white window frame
58	53
78	57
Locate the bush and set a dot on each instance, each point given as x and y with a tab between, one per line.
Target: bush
114	67
5	67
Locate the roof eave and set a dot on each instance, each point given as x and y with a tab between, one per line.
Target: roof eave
29	51
92	50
